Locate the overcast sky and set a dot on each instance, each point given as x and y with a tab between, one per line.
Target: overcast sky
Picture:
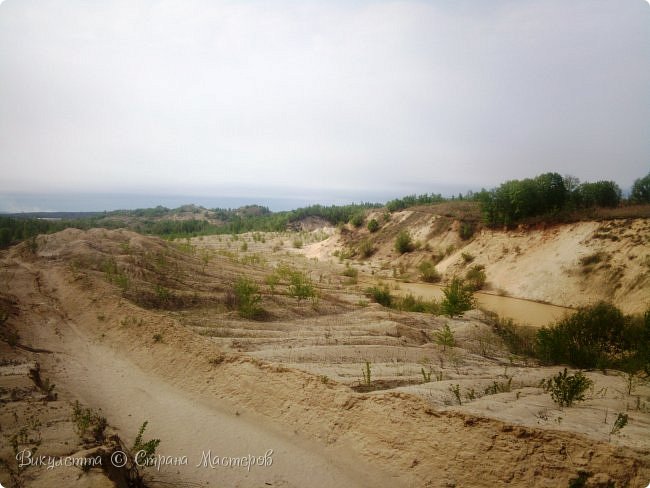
345	99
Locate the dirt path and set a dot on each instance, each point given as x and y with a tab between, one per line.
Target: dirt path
191	426
189	422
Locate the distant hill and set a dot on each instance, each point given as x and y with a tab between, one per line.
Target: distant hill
52	215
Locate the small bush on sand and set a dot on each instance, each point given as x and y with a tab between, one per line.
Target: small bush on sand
352	274
428	272
357	220
467	257
565	389
88	421
373	225
404	242
458	298
380	294
366	248
445	337
475	277
410	303
466	230
300	286
247	298
144	451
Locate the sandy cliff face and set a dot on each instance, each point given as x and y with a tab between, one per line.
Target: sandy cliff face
569	264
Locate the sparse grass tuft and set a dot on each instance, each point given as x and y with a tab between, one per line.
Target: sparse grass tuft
380	294
366	248
467	257
428	272
475	277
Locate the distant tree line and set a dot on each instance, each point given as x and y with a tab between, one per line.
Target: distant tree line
413	200
546	194
509	203
13	230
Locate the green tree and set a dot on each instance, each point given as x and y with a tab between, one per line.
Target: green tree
641	190
445	337
599	194
552	191
458	298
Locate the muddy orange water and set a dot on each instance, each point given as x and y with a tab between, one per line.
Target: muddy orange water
520	310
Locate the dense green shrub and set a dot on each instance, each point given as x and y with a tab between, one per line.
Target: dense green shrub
458	298
596	336
598	194
636	341
373	225
566	389
404	242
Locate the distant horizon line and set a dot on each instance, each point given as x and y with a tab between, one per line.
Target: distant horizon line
66	202
108	202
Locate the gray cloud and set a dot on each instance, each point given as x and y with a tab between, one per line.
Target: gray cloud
195	96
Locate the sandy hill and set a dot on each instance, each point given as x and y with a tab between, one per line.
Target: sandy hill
146	329
565	264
